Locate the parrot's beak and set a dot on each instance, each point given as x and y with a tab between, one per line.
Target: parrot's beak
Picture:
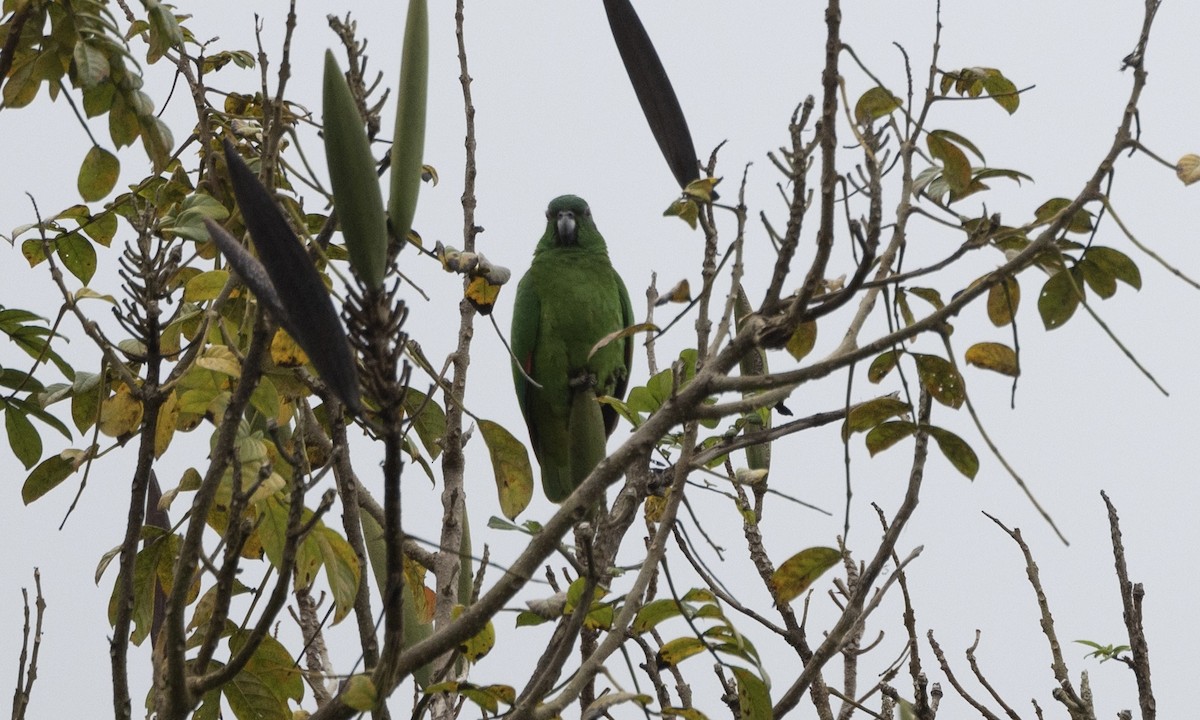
566	229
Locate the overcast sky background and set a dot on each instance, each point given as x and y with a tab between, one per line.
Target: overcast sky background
556	115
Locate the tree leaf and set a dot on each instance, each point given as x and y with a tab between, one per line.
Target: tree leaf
653	613
956	450
1115	263
993	356
341	569
875	103
956	168
1058	300
359	693
1002	301
1080	222
803	340
98	174
882	365
869	414
801	570
428	418
23	437
120	413
510	463
939	376
45	477
676	651
78	256
754	698
885	435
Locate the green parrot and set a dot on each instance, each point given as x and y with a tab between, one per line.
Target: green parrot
568	301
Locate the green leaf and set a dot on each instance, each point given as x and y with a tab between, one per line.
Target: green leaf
882	365
653	613
1115	263
510	464
23	437
1002	301
341	569
993	356
939	376
429	420
164	31
1001	89
956	450
754	698
78	256
869	414
801	570
408	142
45	477
875	103
98	174
1097	277
887	434
1080	222
956	169
91	64
356	194
1058	300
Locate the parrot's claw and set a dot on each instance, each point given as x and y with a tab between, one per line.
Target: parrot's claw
583	380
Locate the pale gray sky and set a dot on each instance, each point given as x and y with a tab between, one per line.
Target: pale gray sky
556	115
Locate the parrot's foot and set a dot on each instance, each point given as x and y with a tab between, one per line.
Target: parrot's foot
583	380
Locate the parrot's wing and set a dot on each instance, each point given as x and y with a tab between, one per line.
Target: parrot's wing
527	313
610	414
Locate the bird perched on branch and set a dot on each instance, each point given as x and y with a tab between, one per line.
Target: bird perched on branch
568	301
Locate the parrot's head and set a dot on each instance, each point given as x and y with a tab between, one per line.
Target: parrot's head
565	217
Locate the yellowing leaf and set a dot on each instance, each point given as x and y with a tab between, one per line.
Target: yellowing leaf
799	571
120	413
164	429
701	189
510	464
205	286
98	174
676	651
681	293
803	340
1002	301
994	356
479	644
482	295
754	698
874	104
285	352
359	693
686	210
